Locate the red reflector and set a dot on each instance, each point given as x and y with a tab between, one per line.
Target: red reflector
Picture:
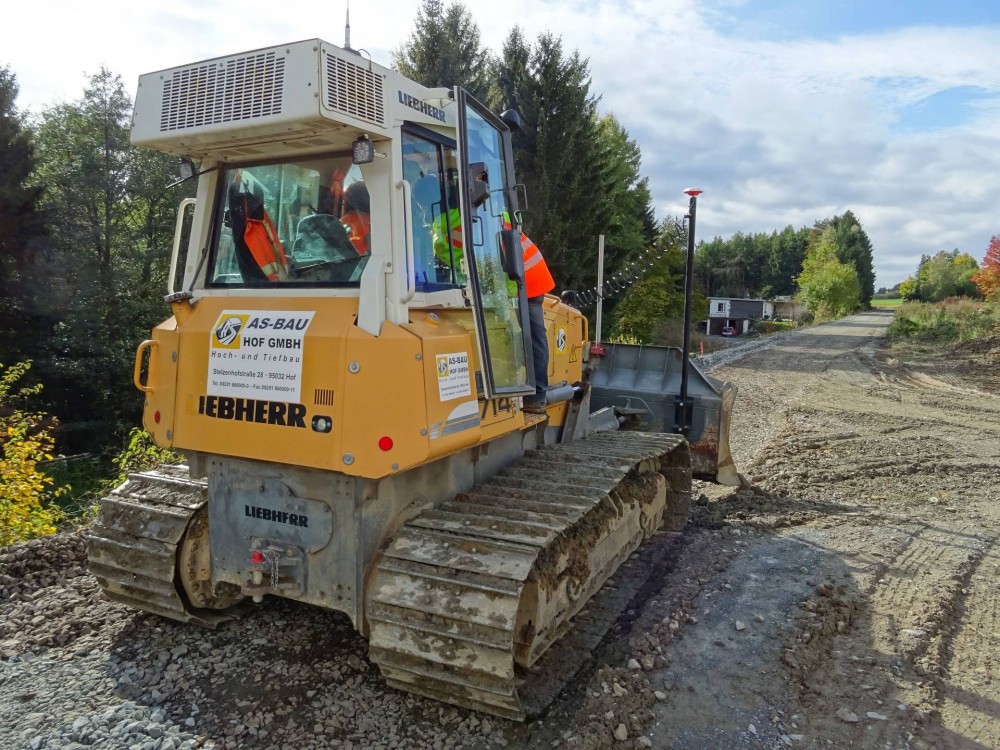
256	556
156	417
385	443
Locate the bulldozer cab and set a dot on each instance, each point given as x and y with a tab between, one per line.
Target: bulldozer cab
437	207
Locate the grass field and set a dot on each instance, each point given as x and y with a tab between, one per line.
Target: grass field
893	303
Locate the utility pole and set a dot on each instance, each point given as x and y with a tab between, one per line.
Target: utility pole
600	287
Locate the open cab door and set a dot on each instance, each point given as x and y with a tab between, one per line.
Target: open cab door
493	251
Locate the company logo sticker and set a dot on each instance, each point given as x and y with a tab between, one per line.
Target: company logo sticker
257	355
454	375
227	333
561	340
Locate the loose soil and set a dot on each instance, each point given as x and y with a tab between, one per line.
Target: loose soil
848	598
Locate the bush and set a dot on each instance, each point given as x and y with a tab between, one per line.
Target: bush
27	507
140	454
954	319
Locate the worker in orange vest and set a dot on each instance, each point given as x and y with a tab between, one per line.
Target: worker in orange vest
537	283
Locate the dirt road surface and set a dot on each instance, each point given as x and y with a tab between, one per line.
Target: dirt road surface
849	599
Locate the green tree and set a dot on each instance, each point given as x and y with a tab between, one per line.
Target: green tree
625	209
755	265
106	249
947	274
657	296
944	274
21	224
914	287
827	286
853	248
908	288
783	258
581	171
445	50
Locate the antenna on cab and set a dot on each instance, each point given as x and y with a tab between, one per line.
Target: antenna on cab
347	27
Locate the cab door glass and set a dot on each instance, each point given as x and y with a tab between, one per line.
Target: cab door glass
503	317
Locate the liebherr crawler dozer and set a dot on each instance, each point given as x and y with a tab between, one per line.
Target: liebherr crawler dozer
347	388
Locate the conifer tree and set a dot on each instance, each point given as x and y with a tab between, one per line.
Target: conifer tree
21	223
581	175
445	50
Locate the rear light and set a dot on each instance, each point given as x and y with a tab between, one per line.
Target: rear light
156	417
385	443
256	557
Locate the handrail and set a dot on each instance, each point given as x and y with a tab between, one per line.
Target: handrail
410	271
137	373
176	249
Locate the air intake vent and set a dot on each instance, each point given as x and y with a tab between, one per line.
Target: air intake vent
354	91
323	397
244	88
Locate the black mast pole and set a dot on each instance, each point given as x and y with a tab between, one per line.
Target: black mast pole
683	417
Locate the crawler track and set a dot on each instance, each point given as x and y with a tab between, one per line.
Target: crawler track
135	545
470	593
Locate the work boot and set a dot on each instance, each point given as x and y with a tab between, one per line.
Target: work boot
534	405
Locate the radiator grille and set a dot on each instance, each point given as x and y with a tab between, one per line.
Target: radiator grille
323	397
354	90
244	88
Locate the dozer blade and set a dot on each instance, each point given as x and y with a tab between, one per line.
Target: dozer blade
642	385
470	594
132	547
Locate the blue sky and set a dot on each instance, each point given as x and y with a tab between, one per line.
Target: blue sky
785	20
783	111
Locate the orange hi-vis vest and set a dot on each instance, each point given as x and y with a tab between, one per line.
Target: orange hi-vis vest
537	278
359	227
262	240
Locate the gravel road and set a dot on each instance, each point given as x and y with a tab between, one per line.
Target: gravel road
848	598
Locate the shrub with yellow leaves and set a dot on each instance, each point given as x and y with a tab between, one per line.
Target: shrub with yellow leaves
27	508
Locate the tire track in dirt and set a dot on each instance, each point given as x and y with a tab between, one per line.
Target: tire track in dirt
894	472
969	683
917	597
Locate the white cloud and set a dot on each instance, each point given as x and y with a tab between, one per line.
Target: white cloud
777	133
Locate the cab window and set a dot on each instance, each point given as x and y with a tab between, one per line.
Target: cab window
302	222
431	168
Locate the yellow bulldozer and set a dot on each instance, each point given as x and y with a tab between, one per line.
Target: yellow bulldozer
349	402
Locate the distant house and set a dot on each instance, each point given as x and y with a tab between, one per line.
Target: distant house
786	308
737	313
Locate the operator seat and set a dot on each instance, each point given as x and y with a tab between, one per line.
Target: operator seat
243	206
